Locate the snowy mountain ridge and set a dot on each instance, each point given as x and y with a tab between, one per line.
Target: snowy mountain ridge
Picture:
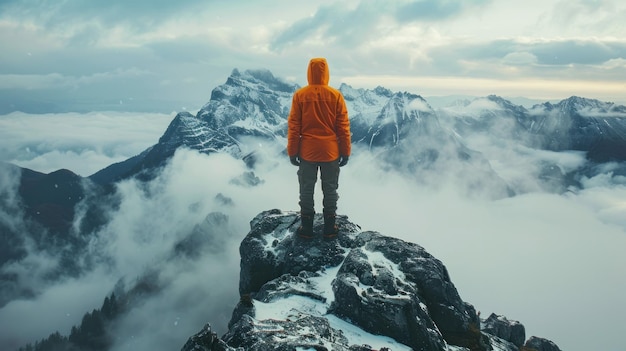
255	104
584	107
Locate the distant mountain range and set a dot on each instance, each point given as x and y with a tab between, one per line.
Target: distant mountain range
400	128
594	127
402	124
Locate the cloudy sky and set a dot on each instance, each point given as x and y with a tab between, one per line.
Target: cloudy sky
162	55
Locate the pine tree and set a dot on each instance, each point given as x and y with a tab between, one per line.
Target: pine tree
90	335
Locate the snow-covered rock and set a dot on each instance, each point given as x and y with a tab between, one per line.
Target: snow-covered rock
540	344
598	128
362	291
500	326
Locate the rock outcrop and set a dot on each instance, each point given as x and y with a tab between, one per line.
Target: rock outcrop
540	344
361	291
511	331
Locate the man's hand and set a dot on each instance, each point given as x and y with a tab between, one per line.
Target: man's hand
343	160
295	160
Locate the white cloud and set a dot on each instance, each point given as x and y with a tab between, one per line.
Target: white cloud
32	82
149	222
616	63
58	307
535	258
600	113
478	106
419	105
9	182
83	143
152	219
603	17
520	58
539	258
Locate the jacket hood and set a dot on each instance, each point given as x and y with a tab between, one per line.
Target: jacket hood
318	72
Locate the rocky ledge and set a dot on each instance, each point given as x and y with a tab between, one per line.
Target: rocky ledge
360	291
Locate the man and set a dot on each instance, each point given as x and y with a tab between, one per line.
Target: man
318	138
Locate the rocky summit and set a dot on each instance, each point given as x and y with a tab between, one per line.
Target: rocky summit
360	291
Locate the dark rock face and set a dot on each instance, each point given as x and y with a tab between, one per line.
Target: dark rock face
383	285
269	251
585	125
395	288
540	344
50	198
500	326
205	340
360	292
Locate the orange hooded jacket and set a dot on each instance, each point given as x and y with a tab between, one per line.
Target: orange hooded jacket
318	125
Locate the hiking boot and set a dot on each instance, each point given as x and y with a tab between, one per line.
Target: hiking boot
305	230
330	228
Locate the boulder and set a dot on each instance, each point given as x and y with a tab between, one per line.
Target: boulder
540	344
509	330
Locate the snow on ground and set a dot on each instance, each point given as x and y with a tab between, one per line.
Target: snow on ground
357	336
294	306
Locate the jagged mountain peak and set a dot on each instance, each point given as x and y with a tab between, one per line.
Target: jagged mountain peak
592	107
260	77
351	93
583	107
504	103
382	91
483	107
409	100
253	100
381	285
572	106
404	107
363	291
185	129
364	104
404	115
577	101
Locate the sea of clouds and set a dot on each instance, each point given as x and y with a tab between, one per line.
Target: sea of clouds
552	261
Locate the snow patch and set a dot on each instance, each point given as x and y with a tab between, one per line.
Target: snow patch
378	261
357	336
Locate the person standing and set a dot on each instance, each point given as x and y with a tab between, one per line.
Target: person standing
318	139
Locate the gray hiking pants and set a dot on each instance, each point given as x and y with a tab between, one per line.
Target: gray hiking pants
307	176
